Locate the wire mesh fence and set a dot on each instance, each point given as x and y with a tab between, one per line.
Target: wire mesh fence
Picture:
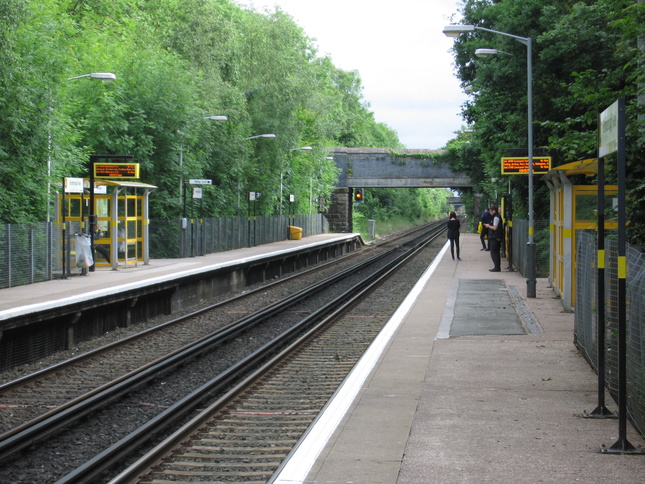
519	241
586	317
38	252
26	253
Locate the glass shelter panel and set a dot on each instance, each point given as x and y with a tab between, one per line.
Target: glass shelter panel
128	223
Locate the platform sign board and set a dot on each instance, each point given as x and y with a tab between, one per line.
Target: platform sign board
116	170
608	132
197	181
520	165
197	192
73	185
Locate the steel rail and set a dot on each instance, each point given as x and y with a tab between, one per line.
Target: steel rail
10	385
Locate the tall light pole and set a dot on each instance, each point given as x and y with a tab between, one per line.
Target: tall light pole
302	148
220	118
264	135
455	31
103	76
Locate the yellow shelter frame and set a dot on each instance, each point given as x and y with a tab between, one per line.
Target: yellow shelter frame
122	214
573	207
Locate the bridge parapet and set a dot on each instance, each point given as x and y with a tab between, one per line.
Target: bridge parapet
387	168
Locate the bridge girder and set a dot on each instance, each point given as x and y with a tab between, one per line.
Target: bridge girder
386	168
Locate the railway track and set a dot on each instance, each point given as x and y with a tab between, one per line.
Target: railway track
50	389
158	416
246	435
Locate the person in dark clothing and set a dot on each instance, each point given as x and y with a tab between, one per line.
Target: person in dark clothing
495	237
453	234
101	249
486	219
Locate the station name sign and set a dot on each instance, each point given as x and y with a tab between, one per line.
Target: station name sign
520	166
116	170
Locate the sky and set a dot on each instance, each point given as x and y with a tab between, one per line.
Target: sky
400	53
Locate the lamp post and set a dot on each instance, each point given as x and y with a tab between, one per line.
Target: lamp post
302	148
455	31
103	76
220	118
264	135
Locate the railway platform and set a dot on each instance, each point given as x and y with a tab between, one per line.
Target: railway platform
470	382
105	281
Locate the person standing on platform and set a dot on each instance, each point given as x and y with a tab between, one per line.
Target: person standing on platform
486	219
495	237
453	234
101	249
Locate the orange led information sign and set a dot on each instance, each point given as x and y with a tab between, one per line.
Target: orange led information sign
116	170
520	166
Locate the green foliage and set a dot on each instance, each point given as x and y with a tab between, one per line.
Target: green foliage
585	56
176	62
412	204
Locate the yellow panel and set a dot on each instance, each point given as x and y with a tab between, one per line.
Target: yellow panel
622	267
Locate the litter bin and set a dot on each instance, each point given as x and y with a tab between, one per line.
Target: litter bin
295	232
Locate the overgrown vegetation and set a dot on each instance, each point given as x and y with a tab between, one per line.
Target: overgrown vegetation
176	62
586	54
395	209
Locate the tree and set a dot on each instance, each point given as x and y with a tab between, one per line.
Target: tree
176	62
585	55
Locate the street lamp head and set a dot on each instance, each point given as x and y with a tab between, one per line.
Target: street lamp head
267	135
217	118
488	52
303	148
456	30
103	76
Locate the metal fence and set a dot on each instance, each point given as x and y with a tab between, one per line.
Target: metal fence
586	317
26	253
519	239
172	239
38	252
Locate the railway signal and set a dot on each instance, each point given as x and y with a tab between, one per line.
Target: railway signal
358	195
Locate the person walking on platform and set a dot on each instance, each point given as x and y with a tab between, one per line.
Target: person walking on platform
486	219
495	237
453	234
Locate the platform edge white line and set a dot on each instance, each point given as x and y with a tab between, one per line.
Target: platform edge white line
300	462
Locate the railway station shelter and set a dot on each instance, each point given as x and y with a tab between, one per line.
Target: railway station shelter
573	206
121	235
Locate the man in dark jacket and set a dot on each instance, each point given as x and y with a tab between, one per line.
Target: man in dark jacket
495	237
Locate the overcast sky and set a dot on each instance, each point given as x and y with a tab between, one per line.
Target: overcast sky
400	53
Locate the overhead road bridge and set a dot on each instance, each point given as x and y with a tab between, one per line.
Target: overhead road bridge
386	168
